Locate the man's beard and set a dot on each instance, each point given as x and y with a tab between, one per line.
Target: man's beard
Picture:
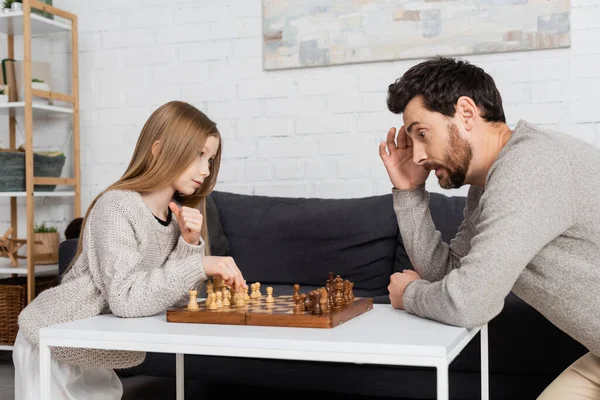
457	160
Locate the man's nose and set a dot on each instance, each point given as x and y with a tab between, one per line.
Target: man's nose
419	155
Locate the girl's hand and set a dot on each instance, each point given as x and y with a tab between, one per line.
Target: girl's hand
190	222
226	268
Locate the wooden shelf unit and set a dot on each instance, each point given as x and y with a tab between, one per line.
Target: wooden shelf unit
27	24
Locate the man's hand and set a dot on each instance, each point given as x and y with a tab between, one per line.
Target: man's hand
398	161
190	222
398	283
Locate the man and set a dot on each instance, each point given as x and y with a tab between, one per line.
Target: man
531	222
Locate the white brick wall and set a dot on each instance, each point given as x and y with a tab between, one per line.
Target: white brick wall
304	132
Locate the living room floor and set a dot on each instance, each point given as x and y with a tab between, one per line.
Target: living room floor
154	388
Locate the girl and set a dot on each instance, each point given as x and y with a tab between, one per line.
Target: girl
143	247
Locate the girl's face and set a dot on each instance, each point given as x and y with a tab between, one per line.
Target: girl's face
192	178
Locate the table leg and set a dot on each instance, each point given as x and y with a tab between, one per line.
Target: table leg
442	382
485	369
179	376
45	373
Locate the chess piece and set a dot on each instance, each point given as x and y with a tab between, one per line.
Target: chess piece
296	295
346	291
209	290
226	298
240	302
246	297
298	303
330	293
219	299
325	306
213	301
308	301
303	301
258	293
270	298
193	304
253	293
218	283
316	302
338	283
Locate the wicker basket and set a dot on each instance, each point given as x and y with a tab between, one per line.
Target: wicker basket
12	169
13	298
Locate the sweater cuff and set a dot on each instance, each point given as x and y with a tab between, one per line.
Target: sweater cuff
409	299
191	266
407	198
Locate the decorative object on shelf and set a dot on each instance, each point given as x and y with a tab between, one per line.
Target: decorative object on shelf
43	13
13	299
9	247
3	93
12	5
9	78
12	169
41	73
39	84
46	240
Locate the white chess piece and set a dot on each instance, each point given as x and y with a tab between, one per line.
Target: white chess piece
219	299
270	298
213	302
193	304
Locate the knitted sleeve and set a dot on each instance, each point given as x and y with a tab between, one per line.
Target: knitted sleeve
121	263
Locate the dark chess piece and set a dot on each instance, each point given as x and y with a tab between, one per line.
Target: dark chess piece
339	292
316	302
330	292
296	295
325	304
307	301
347	289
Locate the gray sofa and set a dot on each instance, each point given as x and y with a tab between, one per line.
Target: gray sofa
282	241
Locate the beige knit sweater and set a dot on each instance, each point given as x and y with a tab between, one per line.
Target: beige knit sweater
533	230
131	266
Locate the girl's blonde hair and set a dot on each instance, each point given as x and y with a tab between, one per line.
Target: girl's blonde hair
182	131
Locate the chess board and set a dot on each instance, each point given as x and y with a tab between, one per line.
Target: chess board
279	313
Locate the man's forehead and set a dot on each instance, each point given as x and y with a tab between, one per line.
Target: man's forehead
412	111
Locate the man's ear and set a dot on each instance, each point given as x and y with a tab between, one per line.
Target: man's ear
156	147
467	112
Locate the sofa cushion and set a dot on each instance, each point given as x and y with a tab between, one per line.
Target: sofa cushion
219	245
278	240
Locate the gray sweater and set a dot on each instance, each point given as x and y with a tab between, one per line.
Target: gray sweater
131	265
534	229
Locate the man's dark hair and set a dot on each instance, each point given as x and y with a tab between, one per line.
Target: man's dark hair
442	81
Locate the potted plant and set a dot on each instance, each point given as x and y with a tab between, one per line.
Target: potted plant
46	241
39	84
3	94
7	5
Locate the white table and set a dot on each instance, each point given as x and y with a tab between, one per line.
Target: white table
383	336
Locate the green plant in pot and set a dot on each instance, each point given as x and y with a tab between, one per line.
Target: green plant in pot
46	241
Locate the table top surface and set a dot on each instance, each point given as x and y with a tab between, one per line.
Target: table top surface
382	330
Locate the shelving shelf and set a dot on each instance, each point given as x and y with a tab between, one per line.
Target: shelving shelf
40	270
11	23
18	108
58	193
